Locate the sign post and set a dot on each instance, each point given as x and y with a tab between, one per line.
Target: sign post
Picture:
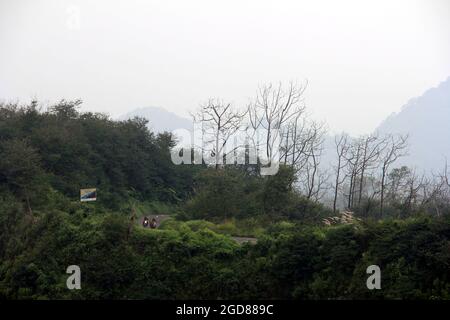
88	194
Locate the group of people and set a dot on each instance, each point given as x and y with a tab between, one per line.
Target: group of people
147	223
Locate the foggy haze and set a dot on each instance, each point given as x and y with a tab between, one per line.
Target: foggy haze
363	59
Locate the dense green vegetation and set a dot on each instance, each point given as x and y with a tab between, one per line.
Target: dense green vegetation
46	157
64	150
189	261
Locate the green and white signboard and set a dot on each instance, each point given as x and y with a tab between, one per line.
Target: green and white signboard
88	194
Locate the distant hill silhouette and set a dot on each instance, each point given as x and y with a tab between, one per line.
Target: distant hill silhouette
425	118
427	121
159	119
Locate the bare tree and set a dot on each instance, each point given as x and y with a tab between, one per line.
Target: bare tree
314	179
272	110
304	139
413	185
341	143
371	149
437	192
220	121
392	150
353	159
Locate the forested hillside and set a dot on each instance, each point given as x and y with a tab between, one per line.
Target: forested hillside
304	250
59	151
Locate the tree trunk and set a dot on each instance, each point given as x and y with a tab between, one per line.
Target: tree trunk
337	185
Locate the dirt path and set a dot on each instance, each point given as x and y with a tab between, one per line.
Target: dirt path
242	240
161	217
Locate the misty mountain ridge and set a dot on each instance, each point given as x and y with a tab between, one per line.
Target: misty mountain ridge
426	120
160	119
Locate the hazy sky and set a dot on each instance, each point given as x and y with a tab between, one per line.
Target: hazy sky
363	59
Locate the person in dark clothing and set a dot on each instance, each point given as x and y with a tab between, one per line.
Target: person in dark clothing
145	222
153	224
